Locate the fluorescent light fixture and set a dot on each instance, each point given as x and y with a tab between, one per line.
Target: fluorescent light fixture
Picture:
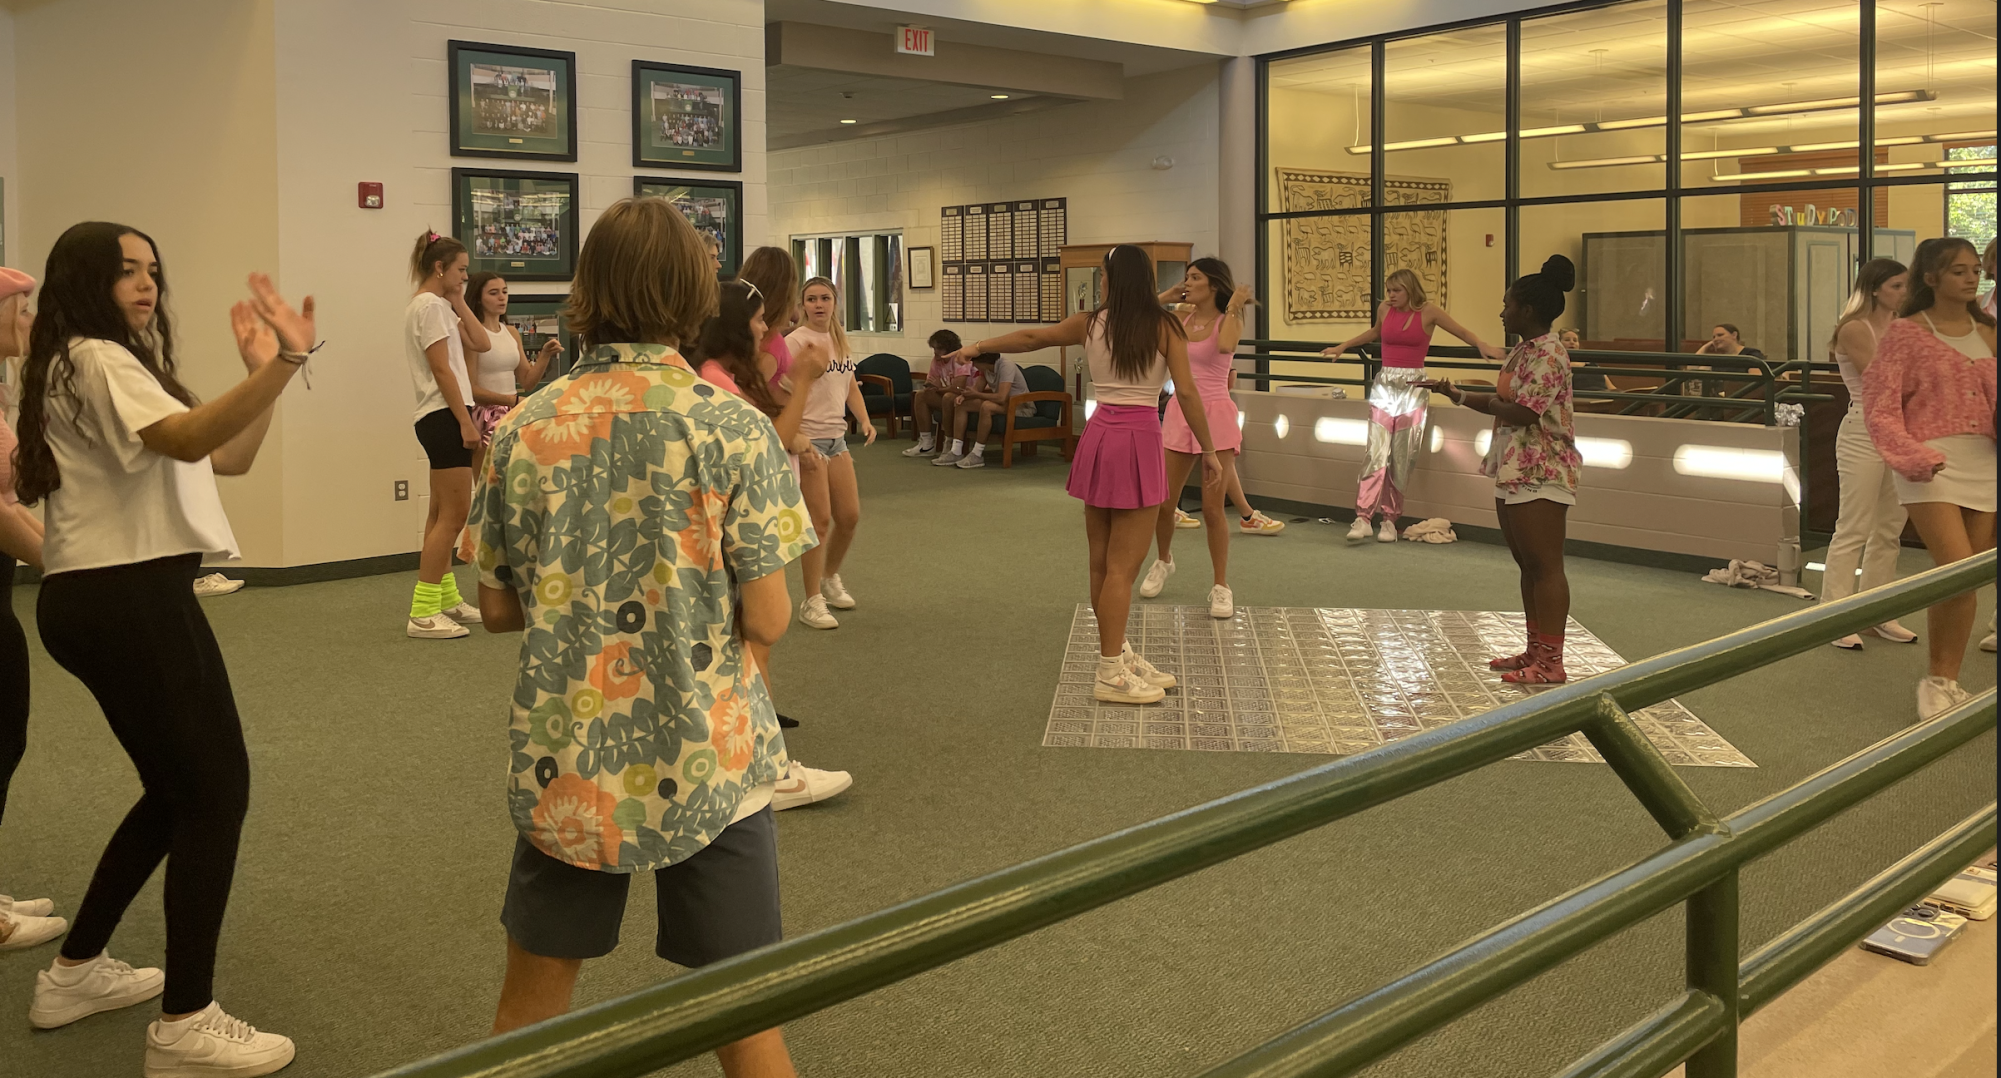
1614	453
1483	441
1817	567
1728	462
1760	151
1437	439
1849	170
998	97
1334	431
850	121
1825	104
1281	426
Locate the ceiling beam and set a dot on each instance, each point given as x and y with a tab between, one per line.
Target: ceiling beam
859	52
924	121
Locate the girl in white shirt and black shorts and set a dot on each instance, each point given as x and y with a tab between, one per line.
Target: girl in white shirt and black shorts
437	329
125	460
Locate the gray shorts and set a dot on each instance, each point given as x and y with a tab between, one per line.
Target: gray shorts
721	902
831	447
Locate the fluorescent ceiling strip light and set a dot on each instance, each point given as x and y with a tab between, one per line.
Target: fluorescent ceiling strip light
1760	151
1849	170
1897	97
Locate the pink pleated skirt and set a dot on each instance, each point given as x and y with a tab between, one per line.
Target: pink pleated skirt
1223	430
1119	462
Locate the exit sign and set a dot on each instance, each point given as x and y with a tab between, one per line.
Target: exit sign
915	41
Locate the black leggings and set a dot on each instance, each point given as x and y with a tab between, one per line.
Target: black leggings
13	682
136	637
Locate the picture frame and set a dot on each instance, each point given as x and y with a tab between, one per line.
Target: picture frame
688	118
521	225
923	270
512	101
539	316
714	207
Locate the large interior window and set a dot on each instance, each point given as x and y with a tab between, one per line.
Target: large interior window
867	269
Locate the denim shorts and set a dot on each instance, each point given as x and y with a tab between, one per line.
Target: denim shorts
831	447
721	902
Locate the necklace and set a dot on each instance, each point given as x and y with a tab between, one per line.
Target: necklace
1202	328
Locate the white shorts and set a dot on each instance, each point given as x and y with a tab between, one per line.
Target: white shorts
1544	492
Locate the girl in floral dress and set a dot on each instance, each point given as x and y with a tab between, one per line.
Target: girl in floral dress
1534	462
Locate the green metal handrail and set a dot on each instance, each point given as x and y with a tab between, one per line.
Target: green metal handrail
730	1000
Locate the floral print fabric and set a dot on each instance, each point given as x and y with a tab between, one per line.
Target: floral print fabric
1538	373
620	502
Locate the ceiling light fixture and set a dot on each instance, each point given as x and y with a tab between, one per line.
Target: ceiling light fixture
850	121
998	97
1850	170
1760	151
1826	104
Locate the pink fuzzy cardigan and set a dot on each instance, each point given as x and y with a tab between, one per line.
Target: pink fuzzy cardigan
1920	388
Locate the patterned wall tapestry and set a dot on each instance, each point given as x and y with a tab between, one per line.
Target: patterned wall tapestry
1327	258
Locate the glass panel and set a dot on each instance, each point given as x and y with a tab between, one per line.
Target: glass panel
1621	259
1317	131
1917	212
1594	101
1445	120
1458	257
1319	269
1935	94
1769	91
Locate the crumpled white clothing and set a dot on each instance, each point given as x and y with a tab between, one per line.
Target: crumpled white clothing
1753	574
1434	530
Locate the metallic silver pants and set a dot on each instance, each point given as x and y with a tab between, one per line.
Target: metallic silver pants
1396	437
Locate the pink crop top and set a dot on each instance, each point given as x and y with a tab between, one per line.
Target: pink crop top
1405	340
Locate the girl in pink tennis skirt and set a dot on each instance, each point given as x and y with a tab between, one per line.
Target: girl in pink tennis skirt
1132	345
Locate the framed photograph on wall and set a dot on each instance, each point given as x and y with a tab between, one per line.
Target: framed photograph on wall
539	317
509	101
521	225
923	267
714	207
686	117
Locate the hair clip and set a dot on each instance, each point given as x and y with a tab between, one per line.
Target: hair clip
434	237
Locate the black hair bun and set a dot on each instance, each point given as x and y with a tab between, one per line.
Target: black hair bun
1557	270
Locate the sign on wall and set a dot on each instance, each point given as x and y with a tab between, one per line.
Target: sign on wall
1328	271
1000	260
915	41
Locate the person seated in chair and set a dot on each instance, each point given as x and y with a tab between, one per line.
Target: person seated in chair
932	404
981	403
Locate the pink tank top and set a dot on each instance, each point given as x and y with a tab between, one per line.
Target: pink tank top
1405	340
716	374
1210	367
6	464
782	352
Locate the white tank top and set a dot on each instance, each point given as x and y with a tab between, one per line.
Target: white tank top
1111	388
1969	344
497	365
1851	376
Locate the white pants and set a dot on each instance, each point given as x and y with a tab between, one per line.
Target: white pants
1872	519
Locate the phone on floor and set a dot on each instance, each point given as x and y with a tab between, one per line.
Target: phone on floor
1916	935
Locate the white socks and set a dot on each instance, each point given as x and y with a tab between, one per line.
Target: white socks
924	441
67	976
958	445
979	449
1110	666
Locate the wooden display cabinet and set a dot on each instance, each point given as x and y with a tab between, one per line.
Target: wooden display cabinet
1082	266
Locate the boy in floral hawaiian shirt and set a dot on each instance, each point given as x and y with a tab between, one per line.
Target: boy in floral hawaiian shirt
634	523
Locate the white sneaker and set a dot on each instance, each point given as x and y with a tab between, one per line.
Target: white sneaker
1125	686
211	1044
804	785
921	449
1851	642
813	614
973	460
26	907
1259	524
465	613
948	458
215	584
1894	632
1359	530
835	592
1987	642
1149	673
25	930
1937	695
64	994
1221	605
436	627
1156	579
1387	532
1183	520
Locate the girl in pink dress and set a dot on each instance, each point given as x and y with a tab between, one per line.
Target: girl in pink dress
1404	324
1132	346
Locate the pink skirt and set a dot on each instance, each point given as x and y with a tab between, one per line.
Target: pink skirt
1223	429
486	417
1119	464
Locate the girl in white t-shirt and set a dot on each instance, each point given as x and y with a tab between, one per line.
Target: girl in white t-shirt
125	459
501	375
833	497
438	328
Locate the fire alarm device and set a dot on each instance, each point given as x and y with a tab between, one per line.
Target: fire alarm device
368	195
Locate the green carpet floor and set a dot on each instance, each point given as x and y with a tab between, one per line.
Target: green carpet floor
364	917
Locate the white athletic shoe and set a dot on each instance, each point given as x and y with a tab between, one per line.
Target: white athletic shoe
465	613
804	785
1937	695
835	592
972	460
436	627
25	930
813	614
1183	520
1851	642
26	907
1987	642
64	994
1149	673
215	584
948	458
1359	530
1387	531
920	450
1894	633
1259	524
211	1044
1221	605
1156	579
1125	686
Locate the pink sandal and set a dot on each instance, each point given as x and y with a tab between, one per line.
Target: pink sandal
1511	662
1539	672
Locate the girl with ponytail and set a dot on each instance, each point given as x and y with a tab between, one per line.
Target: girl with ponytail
1869	527
1534	462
